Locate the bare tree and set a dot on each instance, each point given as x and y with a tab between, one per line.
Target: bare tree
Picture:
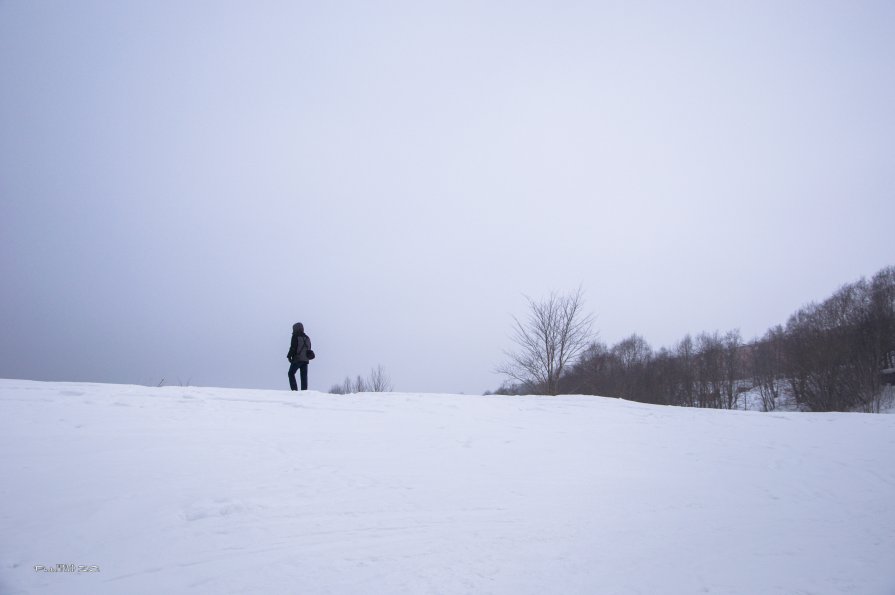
555	333
768	367
732	344
685	353
709	369
349	386
633	356
378	382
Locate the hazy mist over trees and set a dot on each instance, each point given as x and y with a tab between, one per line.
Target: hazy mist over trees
830	356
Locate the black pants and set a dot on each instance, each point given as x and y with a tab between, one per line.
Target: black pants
301	367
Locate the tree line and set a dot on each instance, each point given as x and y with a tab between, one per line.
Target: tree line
836	355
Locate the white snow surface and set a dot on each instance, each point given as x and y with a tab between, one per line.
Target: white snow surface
209	490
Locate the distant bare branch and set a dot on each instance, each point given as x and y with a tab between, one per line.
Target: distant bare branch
553	336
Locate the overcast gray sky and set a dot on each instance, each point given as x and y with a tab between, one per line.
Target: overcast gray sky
182	181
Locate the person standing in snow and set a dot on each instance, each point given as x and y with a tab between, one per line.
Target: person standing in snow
298	356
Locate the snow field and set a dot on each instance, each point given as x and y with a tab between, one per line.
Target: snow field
207	490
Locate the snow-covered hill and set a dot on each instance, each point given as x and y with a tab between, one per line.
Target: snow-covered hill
203	490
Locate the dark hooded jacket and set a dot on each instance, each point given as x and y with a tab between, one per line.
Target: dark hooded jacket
298	348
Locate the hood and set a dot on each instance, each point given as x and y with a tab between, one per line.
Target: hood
298	328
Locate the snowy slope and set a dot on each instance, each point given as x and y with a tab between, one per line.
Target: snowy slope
201	490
